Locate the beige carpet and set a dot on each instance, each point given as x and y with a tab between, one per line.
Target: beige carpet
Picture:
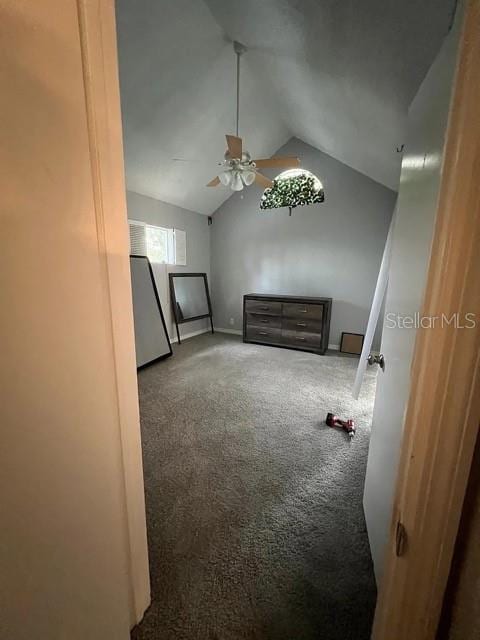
254	505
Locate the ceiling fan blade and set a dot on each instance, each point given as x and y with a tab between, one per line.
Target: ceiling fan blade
263	180
214	182
234	145
278	161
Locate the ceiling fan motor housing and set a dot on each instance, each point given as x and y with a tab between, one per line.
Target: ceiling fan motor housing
246	157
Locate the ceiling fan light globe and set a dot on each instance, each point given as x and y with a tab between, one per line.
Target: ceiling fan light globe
248	177
236	183
225	177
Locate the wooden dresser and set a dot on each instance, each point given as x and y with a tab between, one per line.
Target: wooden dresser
294	322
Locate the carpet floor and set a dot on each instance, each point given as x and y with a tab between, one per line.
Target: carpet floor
254	506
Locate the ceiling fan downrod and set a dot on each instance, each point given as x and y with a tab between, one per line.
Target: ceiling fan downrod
239	49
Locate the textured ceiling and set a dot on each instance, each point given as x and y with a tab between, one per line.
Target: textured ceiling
337	74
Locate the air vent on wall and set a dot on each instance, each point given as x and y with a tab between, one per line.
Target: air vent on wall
138	239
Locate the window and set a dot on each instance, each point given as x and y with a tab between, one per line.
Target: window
161	245
157	244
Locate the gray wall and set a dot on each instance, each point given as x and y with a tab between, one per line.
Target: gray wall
330	249
160	213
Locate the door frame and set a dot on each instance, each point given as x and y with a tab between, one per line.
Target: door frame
443	409
98	42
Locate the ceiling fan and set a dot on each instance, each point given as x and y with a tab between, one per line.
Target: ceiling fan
239	169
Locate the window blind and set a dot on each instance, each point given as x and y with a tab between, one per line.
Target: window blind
180	247
138	238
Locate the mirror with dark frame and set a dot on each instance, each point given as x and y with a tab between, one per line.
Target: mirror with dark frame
190	298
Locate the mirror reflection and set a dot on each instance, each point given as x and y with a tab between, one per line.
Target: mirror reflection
190	297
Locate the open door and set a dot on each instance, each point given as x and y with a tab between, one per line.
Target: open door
412	238
442	412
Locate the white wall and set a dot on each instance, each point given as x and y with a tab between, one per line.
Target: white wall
160	213
330	249
417	203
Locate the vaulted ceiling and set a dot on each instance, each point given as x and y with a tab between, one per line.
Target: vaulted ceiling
338	74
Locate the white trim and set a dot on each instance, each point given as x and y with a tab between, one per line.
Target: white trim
233	332
189	335
376	308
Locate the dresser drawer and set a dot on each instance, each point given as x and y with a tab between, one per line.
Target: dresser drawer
262	321
301	325
261	334
296	310
268	307
301	339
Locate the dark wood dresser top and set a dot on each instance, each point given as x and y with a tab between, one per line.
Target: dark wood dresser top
268	296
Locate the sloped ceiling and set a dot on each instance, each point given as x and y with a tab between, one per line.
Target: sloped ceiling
337	74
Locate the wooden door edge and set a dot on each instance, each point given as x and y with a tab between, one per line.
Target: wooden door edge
98	41
443	411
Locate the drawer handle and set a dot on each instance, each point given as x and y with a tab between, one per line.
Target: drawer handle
303	310
264	308
301	324
300	338
263	333
264	321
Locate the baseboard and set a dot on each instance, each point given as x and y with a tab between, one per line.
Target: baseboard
233	332
189	335
334	347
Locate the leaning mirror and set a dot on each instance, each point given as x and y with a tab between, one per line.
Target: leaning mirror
190	298
151	337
